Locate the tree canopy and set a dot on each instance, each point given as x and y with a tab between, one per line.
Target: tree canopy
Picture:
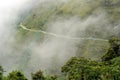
113	51
16	75
80	68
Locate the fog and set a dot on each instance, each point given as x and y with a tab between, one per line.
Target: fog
50	54
11	12
12	54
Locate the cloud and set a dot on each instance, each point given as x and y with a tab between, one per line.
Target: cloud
53	51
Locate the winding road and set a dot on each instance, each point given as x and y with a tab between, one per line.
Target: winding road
60	36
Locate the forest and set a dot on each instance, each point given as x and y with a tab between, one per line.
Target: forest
80	68
60	40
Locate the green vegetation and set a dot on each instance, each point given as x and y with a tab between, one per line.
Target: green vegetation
16	75
79	68
91	66
83	69
38	76
113	51
40	16
1	72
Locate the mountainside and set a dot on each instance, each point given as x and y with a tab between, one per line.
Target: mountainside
59	30
59	39
86	19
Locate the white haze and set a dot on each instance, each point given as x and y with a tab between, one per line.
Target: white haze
52	52
11	12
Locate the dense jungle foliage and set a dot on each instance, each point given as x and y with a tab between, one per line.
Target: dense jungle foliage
79	68
96	60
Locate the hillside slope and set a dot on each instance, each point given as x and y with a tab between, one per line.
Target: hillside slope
75	18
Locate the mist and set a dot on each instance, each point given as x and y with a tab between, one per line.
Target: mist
11	54
11	13
51	53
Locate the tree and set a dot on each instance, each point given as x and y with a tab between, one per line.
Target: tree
1	72
113	51
53	77
38	75
81	69
16	75
115	64
115	61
